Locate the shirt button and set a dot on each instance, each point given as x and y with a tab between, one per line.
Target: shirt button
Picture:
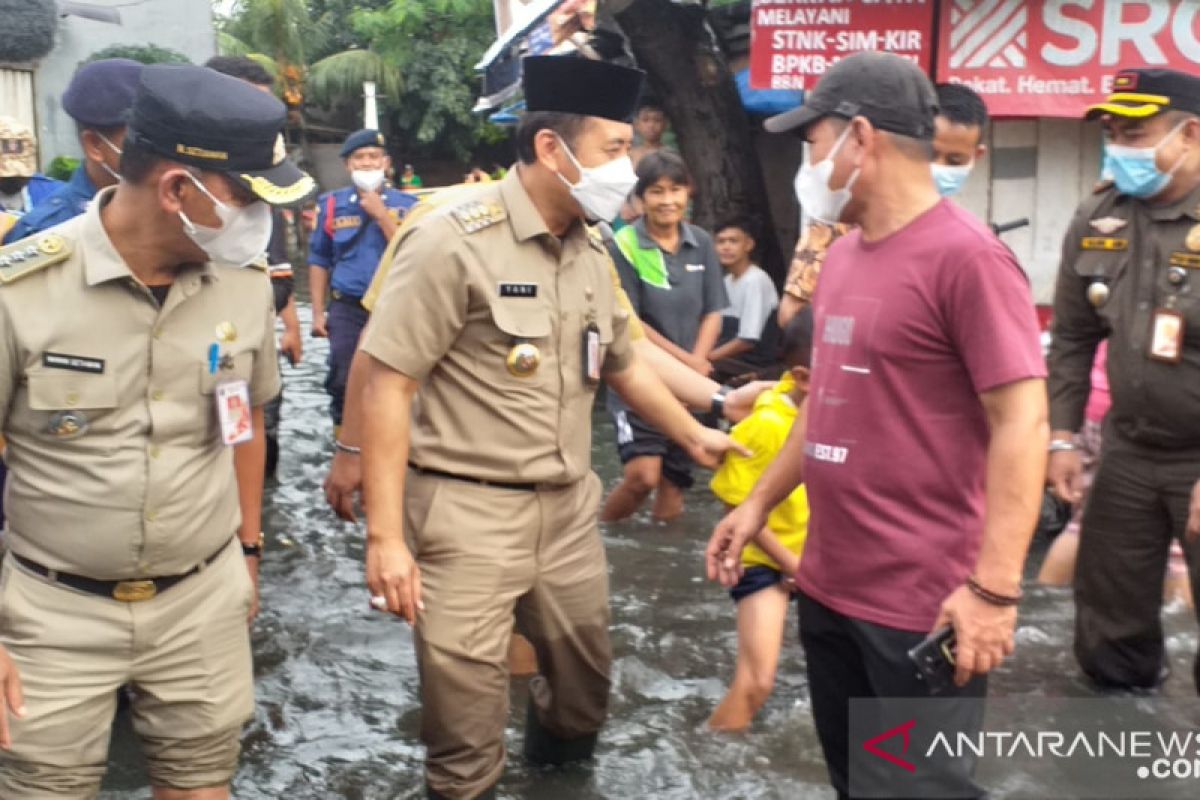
151	516
143	566
157	394
158	332
154	451
1142	306
72	398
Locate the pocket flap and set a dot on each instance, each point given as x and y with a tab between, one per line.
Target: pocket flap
521	317
242	364
49	392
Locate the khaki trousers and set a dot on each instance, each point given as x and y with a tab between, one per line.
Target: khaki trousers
488	556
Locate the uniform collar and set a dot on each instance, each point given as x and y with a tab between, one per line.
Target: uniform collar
686	236
101	261
523	215
1186	206
81	183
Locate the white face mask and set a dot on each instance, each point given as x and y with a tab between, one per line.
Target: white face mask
116	176
367	180
603	190
816	199
242	237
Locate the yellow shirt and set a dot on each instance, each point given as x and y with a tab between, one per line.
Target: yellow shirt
763	433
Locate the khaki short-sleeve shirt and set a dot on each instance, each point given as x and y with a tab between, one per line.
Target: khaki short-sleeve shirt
117	468
471	281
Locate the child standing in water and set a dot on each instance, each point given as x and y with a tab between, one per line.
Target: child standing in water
764	592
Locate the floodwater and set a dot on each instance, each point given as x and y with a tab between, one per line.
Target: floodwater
337	712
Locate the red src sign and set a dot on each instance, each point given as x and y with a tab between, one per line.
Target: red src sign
1054	58
793	42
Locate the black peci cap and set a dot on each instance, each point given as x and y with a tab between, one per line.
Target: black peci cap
1142	93
891	91
367	137
101	93
574	85
199	117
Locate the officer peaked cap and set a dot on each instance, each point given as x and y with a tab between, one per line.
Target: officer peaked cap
101	93
575	85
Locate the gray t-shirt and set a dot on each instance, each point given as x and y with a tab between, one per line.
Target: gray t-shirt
752	300
696	288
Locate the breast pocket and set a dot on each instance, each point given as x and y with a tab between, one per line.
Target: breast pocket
1108	269
69	405
524	346
237	367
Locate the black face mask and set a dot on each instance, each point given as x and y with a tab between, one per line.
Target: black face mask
12	185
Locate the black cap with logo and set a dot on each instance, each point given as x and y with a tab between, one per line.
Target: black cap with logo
890	91
199	117
1141	93
575	85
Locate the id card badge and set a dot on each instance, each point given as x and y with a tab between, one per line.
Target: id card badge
591	354
1166	336
234	413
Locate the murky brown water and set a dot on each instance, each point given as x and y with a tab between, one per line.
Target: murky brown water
337	710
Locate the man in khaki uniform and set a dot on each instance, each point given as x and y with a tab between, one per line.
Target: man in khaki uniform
500	311
127	330
1131	273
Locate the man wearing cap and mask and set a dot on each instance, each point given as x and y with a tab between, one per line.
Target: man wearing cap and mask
21	186
919	442
134	337
98	99
1131	273
353	228
481	505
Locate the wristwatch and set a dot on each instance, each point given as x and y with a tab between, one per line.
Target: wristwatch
718	401
1061	445
255	549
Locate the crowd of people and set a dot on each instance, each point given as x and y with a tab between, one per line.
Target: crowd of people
893	431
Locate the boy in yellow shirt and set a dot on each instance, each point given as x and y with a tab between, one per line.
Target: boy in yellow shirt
763	594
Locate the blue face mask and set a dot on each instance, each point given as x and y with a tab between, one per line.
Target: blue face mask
1135	169
950	179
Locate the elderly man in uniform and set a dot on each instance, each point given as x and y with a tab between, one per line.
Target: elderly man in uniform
354	226
134	336
500	311
98	99
1131	273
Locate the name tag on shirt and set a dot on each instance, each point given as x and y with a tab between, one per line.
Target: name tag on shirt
73	363
234	413
340	223
694	267
518	290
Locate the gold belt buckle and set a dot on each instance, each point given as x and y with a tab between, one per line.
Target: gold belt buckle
134	591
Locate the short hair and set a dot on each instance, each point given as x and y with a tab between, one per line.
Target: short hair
743	224
961	105
658	165
246	69
567	126
650	106
138	161
796	342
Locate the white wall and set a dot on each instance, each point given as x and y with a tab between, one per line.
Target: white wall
182	25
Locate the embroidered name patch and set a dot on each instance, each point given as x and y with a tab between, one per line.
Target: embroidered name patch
694	267
346	222
1103	243
1185	260
518	290
73	363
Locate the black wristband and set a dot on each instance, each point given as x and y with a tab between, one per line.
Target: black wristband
988	596
718	401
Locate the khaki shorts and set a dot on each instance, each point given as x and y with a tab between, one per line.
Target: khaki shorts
185	653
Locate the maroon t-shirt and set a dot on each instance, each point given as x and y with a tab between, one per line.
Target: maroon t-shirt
909	331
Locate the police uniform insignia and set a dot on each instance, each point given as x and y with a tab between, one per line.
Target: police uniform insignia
1192	241
1103	243
226	332
476	215
280	152
1097	293
27	256
523	359
1107	226
67	423
1185	260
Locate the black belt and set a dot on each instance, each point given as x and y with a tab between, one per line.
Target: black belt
437	473
131	591
342	297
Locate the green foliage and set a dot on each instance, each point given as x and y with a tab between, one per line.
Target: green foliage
341	75
144	53
61	168
281	29
435	45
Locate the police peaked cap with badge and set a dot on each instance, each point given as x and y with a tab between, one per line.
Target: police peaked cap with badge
889	90
199	117
101	93
576	85
367	137
1142	93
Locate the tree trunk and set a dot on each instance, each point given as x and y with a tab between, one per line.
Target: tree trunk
695	86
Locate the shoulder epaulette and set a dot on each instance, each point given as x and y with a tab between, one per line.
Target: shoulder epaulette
475	215
27	256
